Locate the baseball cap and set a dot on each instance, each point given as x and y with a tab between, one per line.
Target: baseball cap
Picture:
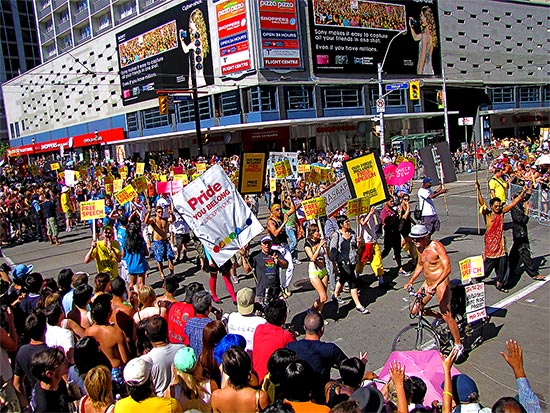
370	399
137	372
185	359
20	270
266	238
64	189
275	206
418	231
427	179
245	301
463	387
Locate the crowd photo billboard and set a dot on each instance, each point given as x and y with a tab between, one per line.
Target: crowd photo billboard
352	36
154	54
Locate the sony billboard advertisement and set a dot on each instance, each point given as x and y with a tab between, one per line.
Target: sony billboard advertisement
352	36
155	54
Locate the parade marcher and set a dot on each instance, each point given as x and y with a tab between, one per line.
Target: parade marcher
495	255
161	244
224	270
434	262
50	213
368	249
105	252
405	224
67	207
181	236
134	254
426	203
520	251
316	250
276	228
498	186
343	254
392	237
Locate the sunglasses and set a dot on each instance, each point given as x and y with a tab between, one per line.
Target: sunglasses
266	242
277	209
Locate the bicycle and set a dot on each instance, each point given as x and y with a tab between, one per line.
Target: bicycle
436	335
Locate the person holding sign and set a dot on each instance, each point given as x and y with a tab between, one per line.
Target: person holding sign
276	228
67	207
106	253
161	243
436	265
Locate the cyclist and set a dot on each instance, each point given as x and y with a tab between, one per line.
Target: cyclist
435	263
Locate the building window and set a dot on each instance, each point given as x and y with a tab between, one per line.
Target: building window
84	32
45	3
503	95
342	98
546	93
153	119
263	98
186	111
132	122
300	97
529	94
127	9
17	131
104	21
395	98
230	103
82	6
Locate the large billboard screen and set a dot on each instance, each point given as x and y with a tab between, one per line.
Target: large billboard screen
352	36
154	54
281	48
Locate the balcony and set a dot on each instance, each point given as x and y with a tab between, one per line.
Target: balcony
80	16
46	36
58	3
125	15
82	38
99	5
103	27
148	4
64	45
44	11
63	26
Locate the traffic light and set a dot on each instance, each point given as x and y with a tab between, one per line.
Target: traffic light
163	105
376	129
414	90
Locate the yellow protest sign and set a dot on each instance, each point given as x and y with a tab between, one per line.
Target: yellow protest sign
282	169
252	173
109	189
366	178
357	207
201	167
117	185
61	175
155	177
400	159
195	176
54	166
412	160
123	174
314	208
304	168
272	184
126	194
471	267
140	168
181	177
140	184
163	178
92	210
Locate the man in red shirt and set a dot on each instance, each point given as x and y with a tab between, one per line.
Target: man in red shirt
270	336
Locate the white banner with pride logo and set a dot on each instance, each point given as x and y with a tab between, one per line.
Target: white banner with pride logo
217	214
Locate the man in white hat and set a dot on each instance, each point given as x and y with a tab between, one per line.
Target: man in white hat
434	261
244	321
67	207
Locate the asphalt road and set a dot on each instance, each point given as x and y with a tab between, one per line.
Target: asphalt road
523	314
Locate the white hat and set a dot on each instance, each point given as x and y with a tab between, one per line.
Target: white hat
137	372
419	231
64	189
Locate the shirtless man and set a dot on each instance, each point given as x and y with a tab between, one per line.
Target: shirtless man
495	255
435	263
161	243
111	339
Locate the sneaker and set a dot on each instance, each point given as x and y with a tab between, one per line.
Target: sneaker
363	310
338	299
234	279
287	293
404	273
459	349
296	261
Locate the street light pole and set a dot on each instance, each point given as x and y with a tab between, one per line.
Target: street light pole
381	94
195	101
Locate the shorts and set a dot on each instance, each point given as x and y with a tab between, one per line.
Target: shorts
162	250
119	386
432	222
222	269
182	239
69	214
51	227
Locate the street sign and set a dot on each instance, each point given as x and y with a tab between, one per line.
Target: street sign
396	86
380	105
465	121
182	98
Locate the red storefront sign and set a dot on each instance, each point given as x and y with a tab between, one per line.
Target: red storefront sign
88	139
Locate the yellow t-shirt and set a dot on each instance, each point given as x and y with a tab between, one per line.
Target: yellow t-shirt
499	186
104	258
152	404
66	204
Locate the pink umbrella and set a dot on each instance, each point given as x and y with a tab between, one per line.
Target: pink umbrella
424	364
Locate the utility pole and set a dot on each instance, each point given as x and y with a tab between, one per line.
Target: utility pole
195	94
445	108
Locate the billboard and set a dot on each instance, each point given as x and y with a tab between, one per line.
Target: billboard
234	37
279	34
155	53
352	36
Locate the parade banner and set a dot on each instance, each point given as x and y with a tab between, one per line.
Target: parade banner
170	187
92	210
70	178
140	184
366	178
54	166
436	159
117	185
318	174
125	195
217	214
314	208
140	168
252	173
399	174
475	302
292	158
336	196
304	168
201	167
358	207
471	267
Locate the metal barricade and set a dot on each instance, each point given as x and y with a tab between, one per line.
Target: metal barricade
538	203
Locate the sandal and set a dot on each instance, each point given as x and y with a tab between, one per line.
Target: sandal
500	288
539	277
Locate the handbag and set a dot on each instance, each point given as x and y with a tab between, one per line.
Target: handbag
418	212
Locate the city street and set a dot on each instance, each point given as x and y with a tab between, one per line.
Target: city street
522	314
